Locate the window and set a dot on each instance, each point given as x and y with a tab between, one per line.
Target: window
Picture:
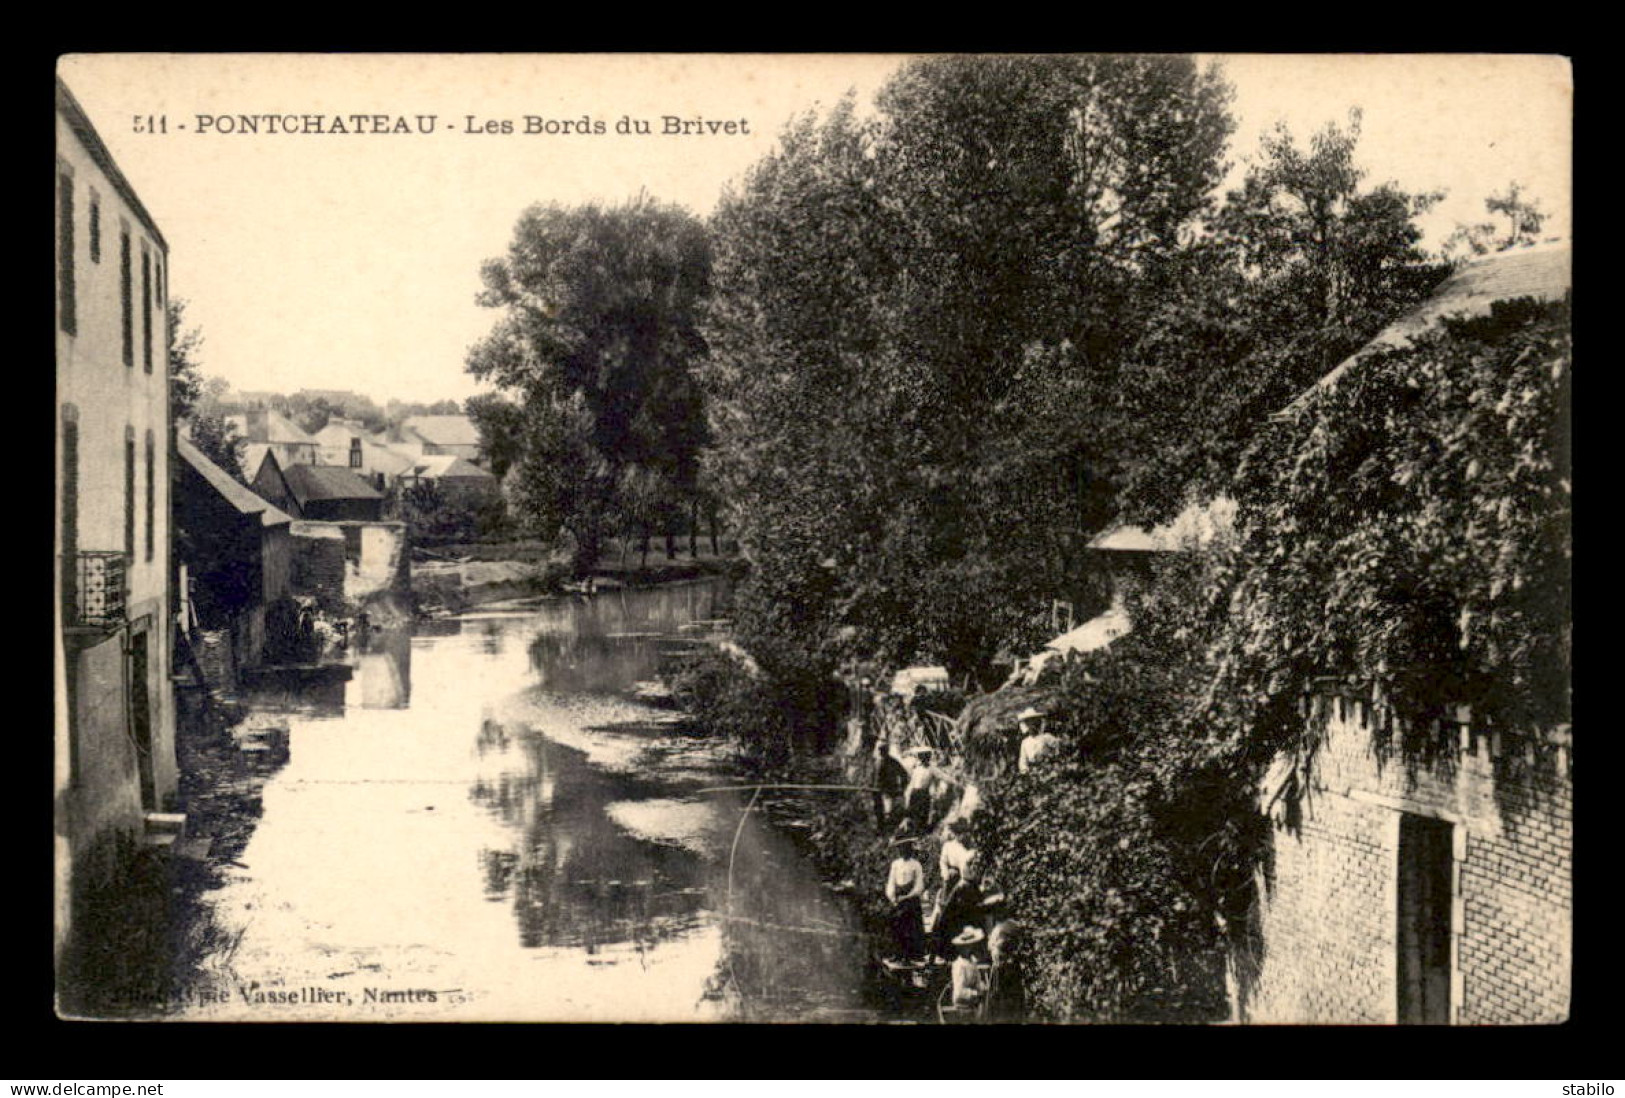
146	310
67	311
95	227
70	511
355	453
152	491
125	289
70	570
129	492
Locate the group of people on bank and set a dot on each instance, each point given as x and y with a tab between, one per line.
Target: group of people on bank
969	930
969	923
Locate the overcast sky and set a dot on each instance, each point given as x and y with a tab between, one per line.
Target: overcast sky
351	261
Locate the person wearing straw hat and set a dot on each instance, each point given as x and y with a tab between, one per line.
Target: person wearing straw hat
961	904
967	978
905	883
1035	742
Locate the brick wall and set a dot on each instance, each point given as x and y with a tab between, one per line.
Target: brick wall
1328	899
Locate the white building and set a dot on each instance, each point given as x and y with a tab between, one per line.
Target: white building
115	717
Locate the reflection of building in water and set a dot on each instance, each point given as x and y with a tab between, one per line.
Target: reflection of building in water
383	678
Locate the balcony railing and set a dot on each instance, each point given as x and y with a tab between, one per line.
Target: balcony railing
101	590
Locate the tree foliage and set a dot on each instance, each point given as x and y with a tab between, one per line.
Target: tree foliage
1304	266
501	424
185	368
1524	219
1130	849
1409	529
195	399
598	338
916	337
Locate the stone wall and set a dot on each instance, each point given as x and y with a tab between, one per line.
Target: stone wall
1329	918
344	564
317	566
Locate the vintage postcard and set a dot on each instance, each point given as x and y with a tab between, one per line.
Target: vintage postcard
691	538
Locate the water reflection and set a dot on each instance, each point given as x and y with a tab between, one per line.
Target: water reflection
518	823
607	642
383	678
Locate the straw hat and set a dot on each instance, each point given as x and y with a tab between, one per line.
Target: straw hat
1028	714
969	936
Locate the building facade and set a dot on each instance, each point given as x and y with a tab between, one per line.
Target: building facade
237	553
1433	890
115	720
1437	892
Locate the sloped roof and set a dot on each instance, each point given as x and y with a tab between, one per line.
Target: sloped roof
1540	271
445	430
1095	633
337	434
308	482
384	459
438	466
253	457
232	492
269	426
1197	524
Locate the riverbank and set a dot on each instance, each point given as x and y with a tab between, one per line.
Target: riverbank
151	949
450	586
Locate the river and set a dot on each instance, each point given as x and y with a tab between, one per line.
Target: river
493	820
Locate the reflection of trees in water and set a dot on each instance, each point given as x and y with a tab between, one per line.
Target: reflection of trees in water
789	948
594	664
511	780
576	878
605	643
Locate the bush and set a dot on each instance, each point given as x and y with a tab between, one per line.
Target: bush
1130	849
769	722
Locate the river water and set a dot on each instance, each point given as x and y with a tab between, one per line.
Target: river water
493	820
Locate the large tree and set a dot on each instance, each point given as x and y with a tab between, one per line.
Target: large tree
917	332
501	424
1305	264
194	398
598	339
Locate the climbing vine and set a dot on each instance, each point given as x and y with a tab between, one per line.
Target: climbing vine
1409	531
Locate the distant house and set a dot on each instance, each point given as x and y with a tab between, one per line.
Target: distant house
276	432
439	435
344	551
318	492
1125	553
236	548
347	444
1416	894
459	480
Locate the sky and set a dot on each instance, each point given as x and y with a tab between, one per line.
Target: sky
351	260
